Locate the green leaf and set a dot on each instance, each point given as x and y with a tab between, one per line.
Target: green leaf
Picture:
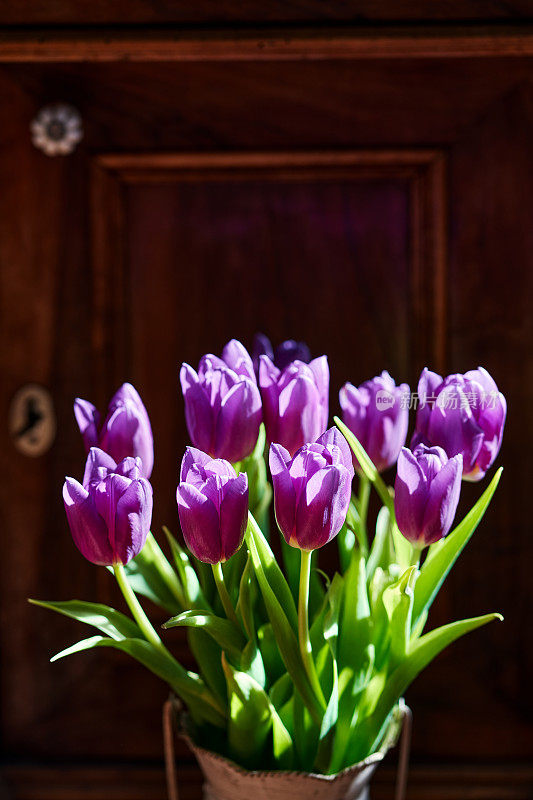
164	568
403	549
187	685
291	562
247	598
208	656
282	691
367	465
331	635
355	615
272	659
252	716
106	619
225	633
276	596
443	555
398	602
273	574
251	662
346	542
193	594
145	577
381	552
306	733
422	652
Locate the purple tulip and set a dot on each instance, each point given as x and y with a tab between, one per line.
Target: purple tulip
462	414
295	401
312	490
110	515
285	353
212	506
426	493
126	430
378	414
222	403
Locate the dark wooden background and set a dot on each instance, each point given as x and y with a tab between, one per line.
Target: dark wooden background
368	189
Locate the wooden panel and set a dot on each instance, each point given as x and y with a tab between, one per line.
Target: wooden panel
476	701
342	248
146	12
456	782
263	44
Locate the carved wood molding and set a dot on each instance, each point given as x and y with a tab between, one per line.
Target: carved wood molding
266	45
425	176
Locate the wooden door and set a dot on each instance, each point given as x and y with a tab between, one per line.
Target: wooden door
371	195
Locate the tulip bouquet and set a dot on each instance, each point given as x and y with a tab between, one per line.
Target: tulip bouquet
294	670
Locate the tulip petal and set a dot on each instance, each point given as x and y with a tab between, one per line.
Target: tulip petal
198	413
456	430
236	356
208	363
320	369
200	524
268	383
106	494
130	467
126	393
88	420
300	415
442	500
237	426
96	460
87	527
192	458
319	513
410	496
220	468
428	386
132	520
333	436
126	430
284	494
233	514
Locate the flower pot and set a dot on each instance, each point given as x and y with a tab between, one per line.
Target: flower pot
225	780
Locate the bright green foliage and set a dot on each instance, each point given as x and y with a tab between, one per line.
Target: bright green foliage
253	689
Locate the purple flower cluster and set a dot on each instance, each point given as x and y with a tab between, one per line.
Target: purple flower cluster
458	434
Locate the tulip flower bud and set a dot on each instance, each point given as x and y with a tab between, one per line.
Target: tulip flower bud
312	490
126	430
212	506
286	352
109	517
426	493
222	403
295	401
378	414
462	414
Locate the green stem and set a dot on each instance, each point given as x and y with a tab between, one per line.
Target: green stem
136	609
303	624
223	593
363	498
